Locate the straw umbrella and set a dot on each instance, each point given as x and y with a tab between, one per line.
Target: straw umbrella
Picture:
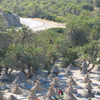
11	97
71	81
4	77
70	67
69	96
55	82
70	89
51	92
88	86
89	94
87	79
32	96
68	73
17	90
37	87
1	96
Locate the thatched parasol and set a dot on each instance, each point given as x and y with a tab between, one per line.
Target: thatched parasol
89	94
37	87
88	86
68	73
54	72
87	79
71	81
70	89
69	96
52	75
34	78
11	97
15	81
51	92
17	90
1	96
55	82
70	67
4	77
55	69
32	96
21	77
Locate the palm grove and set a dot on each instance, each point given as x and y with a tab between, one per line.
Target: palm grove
23	49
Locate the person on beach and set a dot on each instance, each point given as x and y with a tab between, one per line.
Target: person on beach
60	92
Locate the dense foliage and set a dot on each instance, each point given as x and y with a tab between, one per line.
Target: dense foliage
49	9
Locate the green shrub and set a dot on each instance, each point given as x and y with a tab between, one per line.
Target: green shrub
87	7
97	3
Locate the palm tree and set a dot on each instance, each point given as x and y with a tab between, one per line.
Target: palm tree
23	36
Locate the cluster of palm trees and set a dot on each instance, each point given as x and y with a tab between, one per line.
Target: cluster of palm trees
21	48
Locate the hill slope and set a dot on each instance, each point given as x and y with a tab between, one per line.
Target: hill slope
56	10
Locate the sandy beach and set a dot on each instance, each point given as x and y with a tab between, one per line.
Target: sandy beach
37	24
78	77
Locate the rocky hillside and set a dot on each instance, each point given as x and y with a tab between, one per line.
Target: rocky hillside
9	19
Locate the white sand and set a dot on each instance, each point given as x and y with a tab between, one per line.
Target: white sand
31	23
37	24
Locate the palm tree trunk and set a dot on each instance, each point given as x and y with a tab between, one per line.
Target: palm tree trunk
6	70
